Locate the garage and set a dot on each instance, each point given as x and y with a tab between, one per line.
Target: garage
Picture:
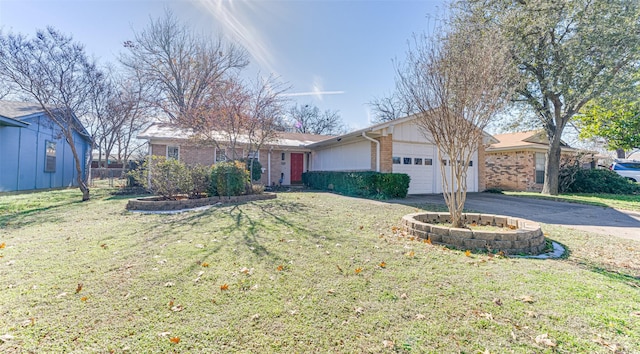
417	160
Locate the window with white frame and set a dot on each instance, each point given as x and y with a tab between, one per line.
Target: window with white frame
50	156
173	152
221	155
253	155
540	159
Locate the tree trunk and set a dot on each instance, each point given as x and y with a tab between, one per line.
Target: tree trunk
81	181
552	167
620	153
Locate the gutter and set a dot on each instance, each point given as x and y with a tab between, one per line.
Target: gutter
364	135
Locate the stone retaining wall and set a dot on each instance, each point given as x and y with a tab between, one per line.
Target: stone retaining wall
148	204
525	238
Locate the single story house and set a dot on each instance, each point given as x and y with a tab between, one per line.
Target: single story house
286	157
395	146
517	160
33	152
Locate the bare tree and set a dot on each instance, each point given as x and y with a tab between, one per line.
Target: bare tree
391	107
309	119
182	67
266	109
54	71
240	114
457	82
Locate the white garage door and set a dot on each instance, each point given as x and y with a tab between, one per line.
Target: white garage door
416	160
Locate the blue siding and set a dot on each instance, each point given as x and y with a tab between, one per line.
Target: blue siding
23	156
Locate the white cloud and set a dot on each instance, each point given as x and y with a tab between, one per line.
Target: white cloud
313	93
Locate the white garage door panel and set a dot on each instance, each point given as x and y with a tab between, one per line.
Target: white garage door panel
422	180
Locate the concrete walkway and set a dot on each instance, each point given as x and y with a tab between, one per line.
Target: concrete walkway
601	220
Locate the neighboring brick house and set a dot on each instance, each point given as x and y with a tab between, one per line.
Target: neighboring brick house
517	161
286	157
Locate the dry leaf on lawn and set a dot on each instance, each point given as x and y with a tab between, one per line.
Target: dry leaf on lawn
6	337
177	308
497	301
175	340
527	299
544	339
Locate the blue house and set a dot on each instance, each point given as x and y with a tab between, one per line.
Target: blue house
33	151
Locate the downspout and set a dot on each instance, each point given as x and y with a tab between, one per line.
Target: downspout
377	150
149	153
269	167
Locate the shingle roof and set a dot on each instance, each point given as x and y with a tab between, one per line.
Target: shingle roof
16	110
169	131
533	139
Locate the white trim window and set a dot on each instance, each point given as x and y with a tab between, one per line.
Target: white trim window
221	155
253	155
50	156
540	160
173	152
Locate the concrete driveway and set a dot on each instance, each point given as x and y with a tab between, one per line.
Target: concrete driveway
602	220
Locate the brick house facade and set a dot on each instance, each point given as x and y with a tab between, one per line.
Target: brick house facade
285	157
516	162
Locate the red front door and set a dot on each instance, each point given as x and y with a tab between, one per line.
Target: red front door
296	167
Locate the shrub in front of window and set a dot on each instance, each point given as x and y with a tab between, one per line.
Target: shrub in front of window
256	172
166	178
229	179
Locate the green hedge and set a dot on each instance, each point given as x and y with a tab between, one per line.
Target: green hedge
229	178
366	184
601	181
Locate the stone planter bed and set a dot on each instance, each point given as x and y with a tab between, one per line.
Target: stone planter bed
524	236
157	204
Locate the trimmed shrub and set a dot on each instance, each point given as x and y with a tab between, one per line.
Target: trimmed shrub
166	178
256	173
392	185
601	181
200	179
366	184
228	179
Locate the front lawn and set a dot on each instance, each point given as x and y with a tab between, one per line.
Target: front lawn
618	201
307	272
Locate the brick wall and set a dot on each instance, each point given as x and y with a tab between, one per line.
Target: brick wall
200	155
386	153
482	183
513	170
158	150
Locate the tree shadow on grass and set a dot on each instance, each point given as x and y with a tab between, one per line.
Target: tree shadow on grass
32	216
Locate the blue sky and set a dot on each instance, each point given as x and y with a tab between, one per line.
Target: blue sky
336	55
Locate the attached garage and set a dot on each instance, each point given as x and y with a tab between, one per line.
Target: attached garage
416	160
396	146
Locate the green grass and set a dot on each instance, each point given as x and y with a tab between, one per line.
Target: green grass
618	201
290	267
